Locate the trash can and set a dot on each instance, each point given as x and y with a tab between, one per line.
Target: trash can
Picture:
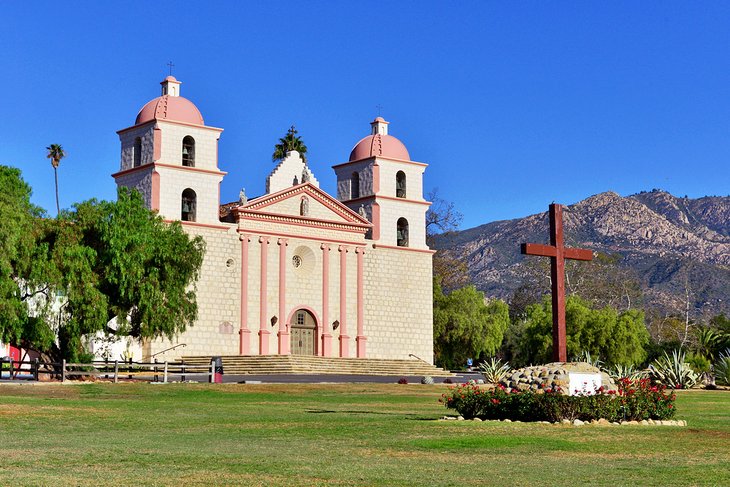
217	364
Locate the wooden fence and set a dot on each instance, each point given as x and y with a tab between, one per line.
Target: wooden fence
114	371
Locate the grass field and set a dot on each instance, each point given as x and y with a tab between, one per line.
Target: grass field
344	434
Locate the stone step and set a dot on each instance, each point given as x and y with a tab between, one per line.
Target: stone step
301	364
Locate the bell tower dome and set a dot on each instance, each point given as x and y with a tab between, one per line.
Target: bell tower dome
170	156
381	181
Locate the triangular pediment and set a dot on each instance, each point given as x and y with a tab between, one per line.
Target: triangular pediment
320	208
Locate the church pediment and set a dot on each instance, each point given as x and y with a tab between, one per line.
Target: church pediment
303	203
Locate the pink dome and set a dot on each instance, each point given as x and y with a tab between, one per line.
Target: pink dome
380	146
174	108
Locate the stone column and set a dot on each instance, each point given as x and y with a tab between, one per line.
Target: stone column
326	348
263	308
283	325
344	338
361	339
244	333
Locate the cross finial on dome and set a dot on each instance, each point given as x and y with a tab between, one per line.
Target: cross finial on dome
170	86
380	126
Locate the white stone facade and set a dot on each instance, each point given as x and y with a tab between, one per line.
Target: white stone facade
295	249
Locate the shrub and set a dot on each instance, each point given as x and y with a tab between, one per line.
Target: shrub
402	380
585	356
673	371
722	368
619	371
633	401
494	370
448	380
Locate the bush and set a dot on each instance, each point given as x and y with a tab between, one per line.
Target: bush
619	371
722	368
633	401
402	380
673	371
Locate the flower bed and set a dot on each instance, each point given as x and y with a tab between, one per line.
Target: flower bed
634	400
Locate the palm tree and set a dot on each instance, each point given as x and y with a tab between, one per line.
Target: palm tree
55	154
288	143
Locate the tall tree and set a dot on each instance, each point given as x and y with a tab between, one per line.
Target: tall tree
120	260
55	154
465	325
22	264
291	141
615	337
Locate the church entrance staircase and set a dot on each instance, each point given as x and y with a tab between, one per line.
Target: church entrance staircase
303	364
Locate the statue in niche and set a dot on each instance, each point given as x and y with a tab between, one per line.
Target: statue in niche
242	196
304	207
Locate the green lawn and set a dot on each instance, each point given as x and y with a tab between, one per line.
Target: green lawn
345	434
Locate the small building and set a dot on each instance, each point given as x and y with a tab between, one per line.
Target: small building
296	270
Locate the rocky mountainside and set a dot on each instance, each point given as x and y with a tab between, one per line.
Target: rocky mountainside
679	248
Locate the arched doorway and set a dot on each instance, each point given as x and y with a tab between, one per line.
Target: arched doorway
303	333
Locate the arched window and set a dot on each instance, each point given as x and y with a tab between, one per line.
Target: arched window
400	184
402	235
137	152
355	186
188	205
188	151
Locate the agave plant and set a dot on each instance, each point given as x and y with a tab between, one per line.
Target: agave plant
585	356
619	371
722	368
673	371
494	370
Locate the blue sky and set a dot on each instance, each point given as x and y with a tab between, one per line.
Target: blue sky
513	104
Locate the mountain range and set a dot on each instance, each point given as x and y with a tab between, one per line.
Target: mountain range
678	248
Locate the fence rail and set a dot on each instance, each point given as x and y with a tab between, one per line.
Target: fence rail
116	370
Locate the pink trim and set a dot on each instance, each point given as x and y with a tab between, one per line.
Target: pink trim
155	191
309	189
283	326
191	169
155	165
156	144
344	338
405	249
174	122
301	237
263	309
326	349
304	222
203	225
376	178
393	198
360	339
337	166
244	332
376	220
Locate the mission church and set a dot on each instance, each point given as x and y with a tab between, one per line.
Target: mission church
295	271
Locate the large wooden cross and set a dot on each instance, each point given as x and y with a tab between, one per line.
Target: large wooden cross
557	253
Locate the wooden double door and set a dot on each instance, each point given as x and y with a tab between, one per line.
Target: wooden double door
303	333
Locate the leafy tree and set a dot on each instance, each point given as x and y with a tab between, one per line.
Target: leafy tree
465	325
107	259
616	337
55	154
22	263
291	141
120	260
